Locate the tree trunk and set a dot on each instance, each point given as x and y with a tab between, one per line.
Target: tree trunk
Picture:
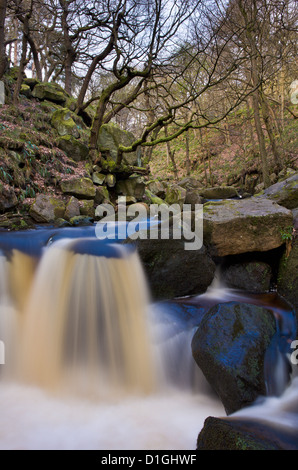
187	159
3	57
261	139
270	130
171	155
23	61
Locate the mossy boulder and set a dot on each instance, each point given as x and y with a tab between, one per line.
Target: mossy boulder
175	195
31	82
132	186
87	208
229	347
152	198
25	90
51	92
64	124
47	209
245	225
157	188
72	208
74	148
219	192
83	188
102	195
98	178
284	193
111	137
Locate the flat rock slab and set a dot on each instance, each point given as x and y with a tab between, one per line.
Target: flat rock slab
245	225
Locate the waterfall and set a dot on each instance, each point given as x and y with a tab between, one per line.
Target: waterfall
82	319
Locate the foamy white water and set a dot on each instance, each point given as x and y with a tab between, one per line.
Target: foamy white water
31	419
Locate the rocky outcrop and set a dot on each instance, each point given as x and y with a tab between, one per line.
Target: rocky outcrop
284	193
241	226
47	209
229	347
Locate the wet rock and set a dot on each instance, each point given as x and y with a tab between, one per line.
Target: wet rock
287	282
241	434
229	347
252	276
173	271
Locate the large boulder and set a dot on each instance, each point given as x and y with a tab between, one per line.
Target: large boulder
219	192
73	148
47	209
284	193
83	188
51	92
229	347
64	124
245	434
173	271
110	137
246	225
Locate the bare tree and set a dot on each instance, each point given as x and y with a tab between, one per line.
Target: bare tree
3	57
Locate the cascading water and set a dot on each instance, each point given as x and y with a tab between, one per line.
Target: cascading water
83	353
85	350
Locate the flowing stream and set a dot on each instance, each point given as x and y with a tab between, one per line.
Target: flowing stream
90	362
